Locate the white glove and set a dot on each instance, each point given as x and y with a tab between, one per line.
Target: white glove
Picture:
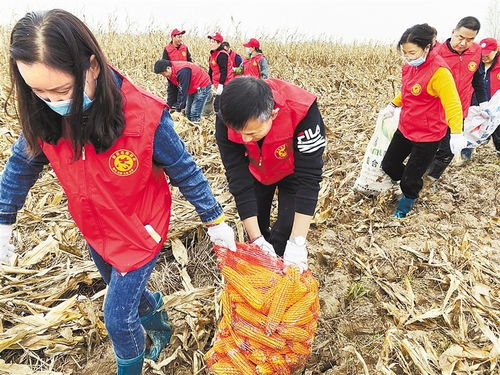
457	143
6	248
222	235
387	112
264	245
296	253
220	87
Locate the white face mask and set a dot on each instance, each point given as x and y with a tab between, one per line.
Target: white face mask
248	51
63	107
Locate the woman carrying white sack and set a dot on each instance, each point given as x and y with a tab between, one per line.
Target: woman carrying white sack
429	104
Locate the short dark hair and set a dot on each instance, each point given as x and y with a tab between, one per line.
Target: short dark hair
243	99
471	23
225	44
422	35
161	66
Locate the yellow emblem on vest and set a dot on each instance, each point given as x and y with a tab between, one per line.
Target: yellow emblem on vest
123	162
183	53
280	152
498	76
472	66
416	89
255	63
214	62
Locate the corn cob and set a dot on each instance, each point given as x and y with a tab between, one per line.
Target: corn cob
311	327
294	333
310	282
257	356
211	357
299	288
250	315
299	319
226	304
234	296
292	359
300	348
223	327
259	336
297	310
276	359
240	362
281	369
225	368
278	305
264	369
241	285
254	345
268	299
223	344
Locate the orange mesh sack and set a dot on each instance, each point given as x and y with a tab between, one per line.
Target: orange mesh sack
269	315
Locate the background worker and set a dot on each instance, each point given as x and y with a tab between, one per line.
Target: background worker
255	64
430	105
175	50
489	69
271	137
220	66
193	85
462	56
235	58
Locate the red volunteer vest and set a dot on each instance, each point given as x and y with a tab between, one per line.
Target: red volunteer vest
463	68
494	78
232	56
215	68
275	160
251	66
114	194
422	116
199	78
177	54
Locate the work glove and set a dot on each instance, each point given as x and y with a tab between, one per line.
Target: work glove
296	253
6	248
388	111
222	235
457	143
220	87
264	245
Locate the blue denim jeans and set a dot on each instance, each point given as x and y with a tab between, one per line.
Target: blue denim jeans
127	299
196	102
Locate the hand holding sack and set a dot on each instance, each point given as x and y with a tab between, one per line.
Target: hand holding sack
269	314
296	253
457	143
388	111
223	235
7	250
264	245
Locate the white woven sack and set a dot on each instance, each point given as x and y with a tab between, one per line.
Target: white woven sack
372	179
477	129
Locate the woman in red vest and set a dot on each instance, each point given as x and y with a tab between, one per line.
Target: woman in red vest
256	64
220	66
430	105
111	145
271	137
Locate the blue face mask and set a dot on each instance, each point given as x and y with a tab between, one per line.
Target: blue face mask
417	62
63	107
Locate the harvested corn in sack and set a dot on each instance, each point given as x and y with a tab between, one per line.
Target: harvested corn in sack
372	179
269	315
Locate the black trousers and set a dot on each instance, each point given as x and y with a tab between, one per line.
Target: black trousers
443	157
496	138
279	233
421	156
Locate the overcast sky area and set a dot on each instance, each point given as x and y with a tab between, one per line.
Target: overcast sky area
348	21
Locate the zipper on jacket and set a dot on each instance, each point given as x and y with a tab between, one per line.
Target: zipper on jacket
83	152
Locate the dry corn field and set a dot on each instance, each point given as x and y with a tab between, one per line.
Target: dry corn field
414	296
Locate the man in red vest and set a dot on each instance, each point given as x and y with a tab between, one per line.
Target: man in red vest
463	56
220	66
175	50
271	137
193	84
